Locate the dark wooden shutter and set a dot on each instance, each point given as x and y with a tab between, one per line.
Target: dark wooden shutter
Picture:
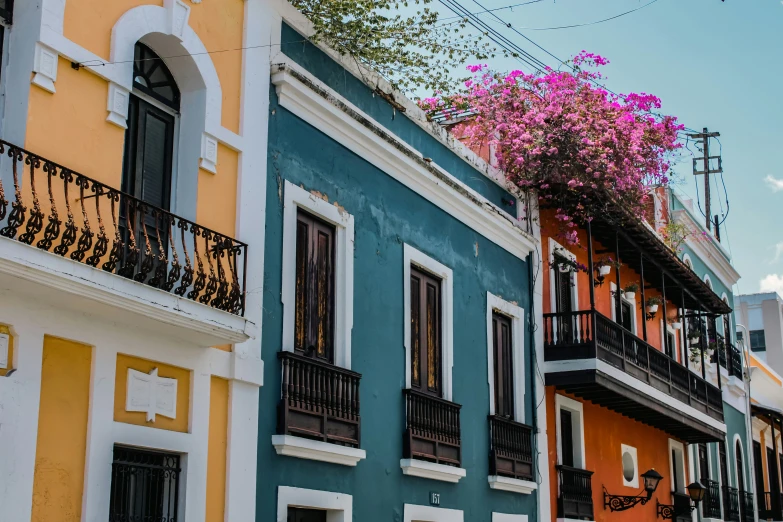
503	365
772	471
314	308
704	467
566	438
426	355
670	343
740	468
675	474
759	470
563	288
306	515
627	315
724	466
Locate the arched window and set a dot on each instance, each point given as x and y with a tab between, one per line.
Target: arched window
149	139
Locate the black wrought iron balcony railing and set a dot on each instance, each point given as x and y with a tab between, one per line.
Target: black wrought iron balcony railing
587	335
69	214
746	506
432	429
511	448
770	506
731	504
319	401
575	497
710	506
728	356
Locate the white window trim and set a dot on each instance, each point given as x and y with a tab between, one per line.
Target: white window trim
296	198
517	316
575	407
634	482
503	517
523	487
632	302
676	445
554	246
302	448
431	470
416	513
708	281
738	472
338	506
411	256
686	259
668	329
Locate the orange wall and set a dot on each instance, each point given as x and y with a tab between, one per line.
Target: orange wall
603	296
58	482
216	454
605	431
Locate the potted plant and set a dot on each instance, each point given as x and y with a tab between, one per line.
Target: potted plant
565	264
630	291
676	324
653	303
694	333
605	265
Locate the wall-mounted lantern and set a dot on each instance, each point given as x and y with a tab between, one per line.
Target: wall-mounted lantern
696	493
623	502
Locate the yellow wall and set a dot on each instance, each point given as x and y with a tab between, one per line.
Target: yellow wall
6	330
217	194
62	431
181	423
216	455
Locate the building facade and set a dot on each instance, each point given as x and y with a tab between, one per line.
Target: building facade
131	235
396	342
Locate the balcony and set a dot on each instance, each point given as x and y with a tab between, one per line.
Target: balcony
731	504
511	449
769	505
746	506
575	497
114	248
729	357
710	507
319	401
432	429
593	357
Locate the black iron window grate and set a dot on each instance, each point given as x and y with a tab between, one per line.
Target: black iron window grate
144	486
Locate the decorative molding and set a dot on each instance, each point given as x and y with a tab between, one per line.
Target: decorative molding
119	297
416	513
503	517
117	105
430	470
315	103
339	506
411	256
302	448
295	198
45	67
577	409
209	153
634	482
4	340
151	394
524	487
177	17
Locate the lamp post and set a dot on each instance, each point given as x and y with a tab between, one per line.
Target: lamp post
696	493
651	479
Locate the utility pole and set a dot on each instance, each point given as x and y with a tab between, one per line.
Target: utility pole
704	138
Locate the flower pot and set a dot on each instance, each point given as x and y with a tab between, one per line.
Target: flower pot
677	325
652	308
604	270
630	295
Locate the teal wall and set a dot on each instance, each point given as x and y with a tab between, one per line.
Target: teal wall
386	215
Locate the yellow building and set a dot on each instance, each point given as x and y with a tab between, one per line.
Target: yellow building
131	236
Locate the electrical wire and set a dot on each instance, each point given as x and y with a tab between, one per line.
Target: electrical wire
588	23
495	9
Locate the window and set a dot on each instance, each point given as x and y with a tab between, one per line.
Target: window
569	419
317	250
671	342
757	341
630	464
314	315
758	468
627	315
704	466
144	485
772	471
503	365
724	466
677	466
740	468
306	515
425	318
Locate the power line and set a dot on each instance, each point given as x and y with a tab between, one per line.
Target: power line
589	23
495	9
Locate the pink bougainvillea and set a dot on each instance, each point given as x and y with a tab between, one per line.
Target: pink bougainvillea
560	133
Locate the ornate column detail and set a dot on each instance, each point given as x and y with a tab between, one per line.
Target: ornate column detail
117	105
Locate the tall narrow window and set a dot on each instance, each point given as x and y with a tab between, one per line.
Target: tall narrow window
503	365
563	302
740	468
627	315
567	438
144	485
772	471
675	475
724	467
426	371
758	468
670	343
314	316
704	467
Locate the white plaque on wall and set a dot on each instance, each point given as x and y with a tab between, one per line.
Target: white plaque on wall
4	338
151	394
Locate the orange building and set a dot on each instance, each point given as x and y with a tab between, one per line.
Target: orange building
622	396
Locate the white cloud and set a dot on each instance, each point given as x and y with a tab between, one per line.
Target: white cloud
775	184
772	283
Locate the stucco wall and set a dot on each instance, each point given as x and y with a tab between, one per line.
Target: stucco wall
387	215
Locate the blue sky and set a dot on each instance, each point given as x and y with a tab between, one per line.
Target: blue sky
714	64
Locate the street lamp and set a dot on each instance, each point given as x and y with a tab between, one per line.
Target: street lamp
696	493
651	479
